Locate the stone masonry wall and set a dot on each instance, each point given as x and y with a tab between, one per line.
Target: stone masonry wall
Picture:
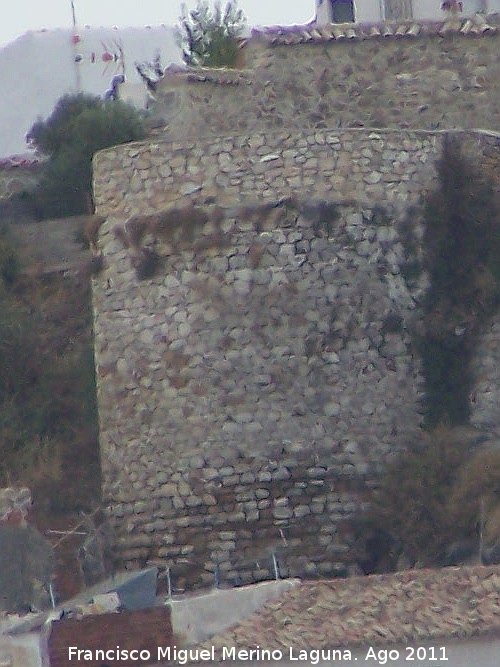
263	372
356	166
422	81
14	178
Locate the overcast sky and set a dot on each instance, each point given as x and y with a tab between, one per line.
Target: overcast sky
18	16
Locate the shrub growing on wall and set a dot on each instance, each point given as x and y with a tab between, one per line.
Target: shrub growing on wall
209	37
462	258
475	502
411	503
437	503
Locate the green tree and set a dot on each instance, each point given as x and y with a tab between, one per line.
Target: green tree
209	37
462	259
79	126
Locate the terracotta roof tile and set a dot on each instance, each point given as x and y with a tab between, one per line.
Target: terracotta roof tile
477	25
22	161
406	606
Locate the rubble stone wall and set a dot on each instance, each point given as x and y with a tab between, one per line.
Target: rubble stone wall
16	179
356	165
419	82
263	372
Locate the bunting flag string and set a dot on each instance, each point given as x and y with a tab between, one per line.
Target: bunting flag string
109	54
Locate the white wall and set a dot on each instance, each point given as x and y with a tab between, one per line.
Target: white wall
427	9
38	68
431	9
23	650
195	618
323	14
368	11
492	5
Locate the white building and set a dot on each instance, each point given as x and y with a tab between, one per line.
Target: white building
372	11
41	66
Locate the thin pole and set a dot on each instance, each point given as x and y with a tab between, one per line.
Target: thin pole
169	584
78	78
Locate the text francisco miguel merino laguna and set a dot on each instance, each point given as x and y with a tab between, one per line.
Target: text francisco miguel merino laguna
185	655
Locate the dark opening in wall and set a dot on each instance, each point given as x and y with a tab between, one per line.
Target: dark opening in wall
342	11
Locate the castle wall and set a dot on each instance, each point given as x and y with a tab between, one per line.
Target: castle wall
420	81
356	165
251	385
15	178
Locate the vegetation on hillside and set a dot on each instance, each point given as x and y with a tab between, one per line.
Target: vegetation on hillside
48	420
209	37
79	126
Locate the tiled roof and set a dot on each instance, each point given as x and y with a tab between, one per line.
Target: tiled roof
14	161
391	608
476	25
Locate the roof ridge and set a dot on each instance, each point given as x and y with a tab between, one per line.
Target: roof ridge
475	25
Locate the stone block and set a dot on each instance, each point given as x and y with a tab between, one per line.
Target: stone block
193	501
282	512
301	511
281	474
168	490
264	504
